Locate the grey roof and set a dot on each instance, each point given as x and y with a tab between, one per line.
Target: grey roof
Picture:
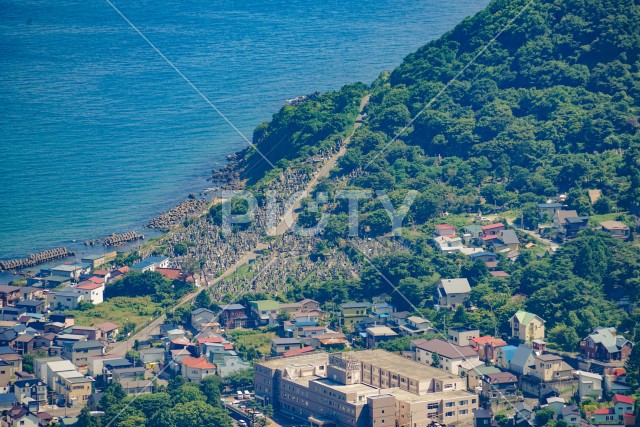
455	286
509	237
30	303
28	382
82	345
521	357
446	349
69	292
608	338
355	305
284	341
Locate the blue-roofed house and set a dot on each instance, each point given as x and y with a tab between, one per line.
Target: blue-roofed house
504	355
150	264
8	401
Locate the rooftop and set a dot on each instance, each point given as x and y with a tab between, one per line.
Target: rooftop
446	349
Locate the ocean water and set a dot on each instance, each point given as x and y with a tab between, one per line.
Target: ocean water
98	134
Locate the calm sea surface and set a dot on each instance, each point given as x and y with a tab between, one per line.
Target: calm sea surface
99	134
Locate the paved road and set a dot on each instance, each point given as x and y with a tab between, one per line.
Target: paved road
287	221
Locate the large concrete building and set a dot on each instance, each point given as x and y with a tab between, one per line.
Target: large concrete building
364	388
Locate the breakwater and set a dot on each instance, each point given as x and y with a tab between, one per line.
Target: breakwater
121	239
35	259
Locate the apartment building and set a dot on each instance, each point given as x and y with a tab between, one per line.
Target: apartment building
364	388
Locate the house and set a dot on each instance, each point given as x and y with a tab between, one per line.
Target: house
616	229
445	230
109	330
280	345
508	239
399	318
7	337
309	304
548	209
622	405
575	224
202	317
489	258
150	264
92	292
381	311
24	343
488	232
615	381
452	293
91	332
20	416
261	310
74	387
196	369
442	354
474	371
352	313
447	244
416	326
233	316
521	359
11	313
151	355
471	232
67	299
589	385
526	326
48	368
605	345
378	334
560	216
462	336
31	306
487	349
501	385
483	418
80	351
550	375
33	388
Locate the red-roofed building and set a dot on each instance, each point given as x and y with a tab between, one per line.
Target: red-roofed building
622	405
91	291
117	274
491	230
175	274
214	340
298	351
96	279
196	368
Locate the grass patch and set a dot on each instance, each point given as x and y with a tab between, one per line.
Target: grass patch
259	340
120	310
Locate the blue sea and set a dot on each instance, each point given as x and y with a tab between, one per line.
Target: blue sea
98	134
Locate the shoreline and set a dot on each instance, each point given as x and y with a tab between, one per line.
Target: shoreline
153	228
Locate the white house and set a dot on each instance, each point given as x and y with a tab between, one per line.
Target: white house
589	385
196	369
92	292
447	355
448	244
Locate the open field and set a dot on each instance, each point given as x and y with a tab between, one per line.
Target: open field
119	310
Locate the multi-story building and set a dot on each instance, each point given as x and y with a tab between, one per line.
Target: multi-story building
364	388
526	326
352	313
444	355
604	347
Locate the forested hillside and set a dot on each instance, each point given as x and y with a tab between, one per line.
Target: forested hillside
550	107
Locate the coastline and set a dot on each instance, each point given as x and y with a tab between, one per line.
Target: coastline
152	229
